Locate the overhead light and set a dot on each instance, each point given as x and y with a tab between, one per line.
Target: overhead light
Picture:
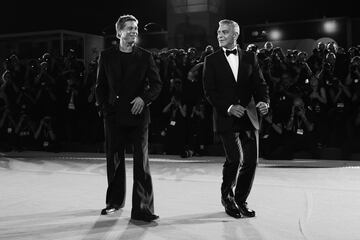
255	33
330	26
275	34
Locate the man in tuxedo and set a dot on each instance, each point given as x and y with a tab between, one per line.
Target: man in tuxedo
127	82
237	91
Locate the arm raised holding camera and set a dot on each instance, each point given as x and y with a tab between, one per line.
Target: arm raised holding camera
302	114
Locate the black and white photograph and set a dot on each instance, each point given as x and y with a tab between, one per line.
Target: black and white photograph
179	119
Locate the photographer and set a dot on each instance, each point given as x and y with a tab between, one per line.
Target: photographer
342	62
91	124
207	51
200	128
272	137
45	135
176	60
24	131
301	72
326	73
340	109
72	75
353	76
45	98
7	130
352	141
17	69
9	88
299	131
317	100
175	132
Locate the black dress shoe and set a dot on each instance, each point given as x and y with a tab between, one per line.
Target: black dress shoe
109	210
245	211
146	217
231	208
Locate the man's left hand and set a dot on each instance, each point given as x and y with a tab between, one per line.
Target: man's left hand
263	107
138	105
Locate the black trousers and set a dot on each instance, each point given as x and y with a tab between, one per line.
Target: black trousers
241	150
116	138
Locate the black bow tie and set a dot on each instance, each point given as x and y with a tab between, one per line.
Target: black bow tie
228	52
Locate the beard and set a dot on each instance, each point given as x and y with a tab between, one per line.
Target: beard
131	40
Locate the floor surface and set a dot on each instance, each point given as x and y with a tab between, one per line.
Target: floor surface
60	195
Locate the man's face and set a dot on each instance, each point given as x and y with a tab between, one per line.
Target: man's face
268	45
226	36
321	46
129	33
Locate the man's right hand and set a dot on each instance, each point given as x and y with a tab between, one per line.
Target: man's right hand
237	111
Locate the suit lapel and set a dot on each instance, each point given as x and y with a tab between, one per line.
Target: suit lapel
240	56
225	65
116	68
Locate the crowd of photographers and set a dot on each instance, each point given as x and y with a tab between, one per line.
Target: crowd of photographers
47	101
314	99
315	102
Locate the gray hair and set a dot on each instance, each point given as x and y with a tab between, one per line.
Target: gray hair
232	23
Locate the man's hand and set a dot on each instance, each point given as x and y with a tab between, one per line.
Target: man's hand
263	107
237	111
138	105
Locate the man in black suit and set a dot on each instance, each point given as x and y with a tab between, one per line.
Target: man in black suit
127	82
235	87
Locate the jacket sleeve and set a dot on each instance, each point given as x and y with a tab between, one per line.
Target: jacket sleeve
153	89
101	87
220	103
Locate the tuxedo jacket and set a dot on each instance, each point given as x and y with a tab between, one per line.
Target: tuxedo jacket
117	87
222	90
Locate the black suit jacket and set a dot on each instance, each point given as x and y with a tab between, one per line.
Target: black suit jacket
222	90
114	90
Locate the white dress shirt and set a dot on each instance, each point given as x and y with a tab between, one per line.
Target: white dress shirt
233	61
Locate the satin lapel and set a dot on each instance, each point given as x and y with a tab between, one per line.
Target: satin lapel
240	61
226	65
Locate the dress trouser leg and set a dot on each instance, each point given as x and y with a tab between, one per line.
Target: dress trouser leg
240	165
232	148
142	196
115	158
245	179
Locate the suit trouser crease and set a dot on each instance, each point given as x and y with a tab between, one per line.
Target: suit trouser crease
143	197
241	150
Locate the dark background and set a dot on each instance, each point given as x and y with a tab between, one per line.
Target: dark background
98	17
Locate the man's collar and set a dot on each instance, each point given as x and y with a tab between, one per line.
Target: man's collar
229	49
232	51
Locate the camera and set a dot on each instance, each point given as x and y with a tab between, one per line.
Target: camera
327	66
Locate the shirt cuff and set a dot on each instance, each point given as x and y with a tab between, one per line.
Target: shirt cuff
267	104
228	110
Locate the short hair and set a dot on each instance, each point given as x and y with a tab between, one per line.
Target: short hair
120	23
232	23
